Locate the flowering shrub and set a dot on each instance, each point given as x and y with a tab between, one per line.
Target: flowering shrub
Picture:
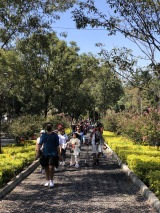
143	129
111	122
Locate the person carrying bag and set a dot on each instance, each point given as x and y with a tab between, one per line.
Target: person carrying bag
51	153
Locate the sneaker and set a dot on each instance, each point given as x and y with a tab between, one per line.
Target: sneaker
63	163
51	184
77	166
72	164
60	163
46	184
56	169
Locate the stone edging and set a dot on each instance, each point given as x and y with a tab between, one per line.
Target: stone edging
150	196
12	184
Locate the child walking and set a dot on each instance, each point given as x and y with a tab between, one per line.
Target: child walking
74	145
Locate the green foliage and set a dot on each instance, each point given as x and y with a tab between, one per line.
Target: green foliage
58	119
108	88
144	161
110	121
22	18
142	164
137	20
153	180
55	71
1	180
143	129
14	159
123	152
26	125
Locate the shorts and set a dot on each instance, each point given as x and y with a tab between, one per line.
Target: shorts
97	148
49	160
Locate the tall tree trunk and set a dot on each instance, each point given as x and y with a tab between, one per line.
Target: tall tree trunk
46	106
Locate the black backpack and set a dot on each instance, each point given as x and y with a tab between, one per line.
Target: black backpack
97	137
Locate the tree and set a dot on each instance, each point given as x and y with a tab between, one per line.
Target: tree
22	18
9	65
107	89
122	62
48	65
8	61
75	87
137	20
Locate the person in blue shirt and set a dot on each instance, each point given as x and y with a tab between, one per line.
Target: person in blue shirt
80	136
51	153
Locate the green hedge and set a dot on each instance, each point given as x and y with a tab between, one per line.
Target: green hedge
144	161
153	180
124	152
14	159
142	164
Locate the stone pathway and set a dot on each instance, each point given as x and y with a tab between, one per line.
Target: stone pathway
101	189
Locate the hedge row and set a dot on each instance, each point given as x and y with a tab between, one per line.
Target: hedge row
144	161
14	159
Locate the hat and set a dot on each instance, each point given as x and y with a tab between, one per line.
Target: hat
42	131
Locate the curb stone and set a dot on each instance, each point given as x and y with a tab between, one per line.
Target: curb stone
21	176
144	190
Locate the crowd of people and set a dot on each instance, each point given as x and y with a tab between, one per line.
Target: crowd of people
51	146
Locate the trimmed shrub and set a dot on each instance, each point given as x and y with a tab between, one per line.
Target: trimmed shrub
142	164
153	180
144	161
14	159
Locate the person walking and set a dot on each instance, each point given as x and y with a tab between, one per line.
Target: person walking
97	144
41	149
80	136
63	138
74	145
51	152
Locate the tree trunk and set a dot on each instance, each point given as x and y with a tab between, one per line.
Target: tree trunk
46	106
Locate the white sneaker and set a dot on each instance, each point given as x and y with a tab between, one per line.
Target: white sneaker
60	163
63	163
56	169
51	184
46	184
77	166
43	171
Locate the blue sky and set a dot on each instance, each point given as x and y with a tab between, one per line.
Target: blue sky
87	38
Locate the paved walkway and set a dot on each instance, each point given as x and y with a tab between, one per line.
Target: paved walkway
104	188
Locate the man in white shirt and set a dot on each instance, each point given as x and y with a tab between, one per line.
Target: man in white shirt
63	138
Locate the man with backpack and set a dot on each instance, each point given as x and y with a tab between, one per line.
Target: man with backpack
51	153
